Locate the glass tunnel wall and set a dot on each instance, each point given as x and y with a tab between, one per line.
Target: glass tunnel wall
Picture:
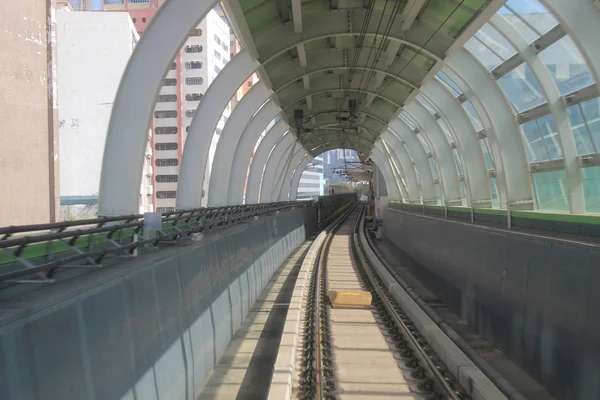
542	72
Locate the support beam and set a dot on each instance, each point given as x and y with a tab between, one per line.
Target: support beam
281	193
410	13
127	134
301	55
260	158
244	149
204	123
297	176
279	153
297	15
230	137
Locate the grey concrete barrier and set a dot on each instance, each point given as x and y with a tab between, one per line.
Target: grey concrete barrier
531	296
144	329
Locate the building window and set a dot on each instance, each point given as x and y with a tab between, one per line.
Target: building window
173	66
170	82
134	20
196	32
194	96
165	146
166	98
225	47
217	39
165	130
167	178
166	194
193	48
167	162
193	65
217	69
165	114
190	113
163	210
249	84
196	80
217	55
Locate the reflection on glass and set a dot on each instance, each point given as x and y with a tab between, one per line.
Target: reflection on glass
496	42
407	121
534	145
487	156
494	191
438	194
473	116
567	66
483	54
583	140
551	140
590	179
459	167
529	17
591	112
449	83
522	88
426	104
423	143
445	129
433	169
551	190
463	191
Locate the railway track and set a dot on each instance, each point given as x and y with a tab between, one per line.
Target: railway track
373	352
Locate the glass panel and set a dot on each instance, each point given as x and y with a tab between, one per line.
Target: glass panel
433	169
463	191
423	143
457	161
496	42
494	191
473	116
445	129
529	17
407	121
426	104
483	54
551	190
522	89
591	112
487	156
590	178
449	83
582	138
548	129
438	193
567	66
536	150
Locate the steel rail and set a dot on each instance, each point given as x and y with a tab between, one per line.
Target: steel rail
425	357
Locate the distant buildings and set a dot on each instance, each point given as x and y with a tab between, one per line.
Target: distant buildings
311	181
93	50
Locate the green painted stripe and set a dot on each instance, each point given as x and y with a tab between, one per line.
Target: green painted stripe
551	217
460	209
490	211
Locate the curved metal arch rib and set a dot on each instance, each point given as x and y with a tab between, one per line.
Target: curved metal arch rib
259	161
127	134
280	152
232	132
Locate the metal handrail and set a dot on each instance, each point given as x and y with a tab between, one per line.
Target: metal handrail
67	244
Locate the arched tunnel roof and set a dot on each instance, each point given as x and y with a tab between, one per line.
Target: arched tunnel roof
474	102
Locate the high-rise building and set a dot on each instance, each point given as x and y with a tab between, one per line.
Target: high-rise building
29	130
88	82
311	181
202	57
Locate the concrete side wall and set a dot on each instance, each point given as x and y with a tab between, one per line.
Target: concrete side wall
534	298
25	187
148	329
